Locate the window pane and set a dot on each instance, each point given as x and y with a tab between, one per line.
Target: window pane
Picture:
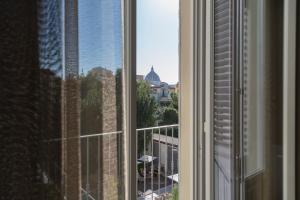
254	101
157	98
61	111
100	63
262	99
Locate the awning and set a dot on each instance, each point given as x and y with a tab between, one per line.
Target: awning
174	177
146	158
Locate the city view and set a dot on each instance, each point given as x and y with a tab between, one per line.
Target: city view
101	101
157	99
157	123
157	135
141	100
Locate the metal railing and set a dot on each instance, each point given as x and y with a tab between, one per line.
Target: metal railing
157	164
157	154
99	155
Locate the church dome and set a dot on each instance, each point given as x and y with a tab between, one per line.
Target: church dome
152	77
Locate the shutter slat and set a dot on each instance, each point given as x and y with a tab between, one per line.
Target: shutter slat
222	115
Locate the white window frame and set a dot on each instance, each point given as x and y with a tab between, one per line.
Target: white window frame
195	138
186	101
289	96
129	93
209	177
191	70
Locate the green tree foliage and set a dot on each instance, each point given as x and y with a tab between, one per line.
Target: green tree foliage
146	114
170	116
174	100
175	195
91	104
119	99
146	106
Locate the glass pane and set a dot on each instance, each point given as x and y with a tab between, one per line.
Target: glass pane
61	119
254	101
31	100
157	99
262	99
100	63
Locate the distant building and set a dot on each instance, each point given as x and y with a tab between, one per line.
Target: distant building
139	77
153	78
173	89
101	73
177	88
161	91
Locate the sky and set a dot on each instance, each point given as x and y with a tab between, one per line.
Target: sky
100	36
158	38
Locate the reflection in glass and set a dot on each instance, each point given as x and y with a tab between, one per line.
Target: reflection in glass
100	63
254	95
262	99
50	97
61	130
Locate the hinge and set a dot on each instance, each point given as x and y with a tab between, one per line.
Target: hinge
238	159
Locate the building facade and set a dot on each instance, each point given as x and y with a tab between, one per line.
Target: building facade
160	90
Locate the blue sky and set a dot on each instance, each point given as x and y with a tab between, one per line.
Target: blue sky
158	38
100	36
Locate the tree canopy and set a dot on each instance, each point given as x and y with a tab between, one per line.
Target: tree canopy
146	106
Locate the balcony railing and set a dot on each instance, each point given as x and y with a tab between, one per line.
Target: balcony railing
157	163
101	165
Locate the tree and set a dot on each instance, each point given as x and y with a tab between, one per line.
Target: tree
170	116
175	195
146	106
146	114
174	100
119	98
91	104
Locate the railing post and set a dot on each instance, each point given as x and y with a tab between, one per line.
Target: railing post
144	162
159	159
98	168
166	164
109	156
137	149
172	164
152	170
87	167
